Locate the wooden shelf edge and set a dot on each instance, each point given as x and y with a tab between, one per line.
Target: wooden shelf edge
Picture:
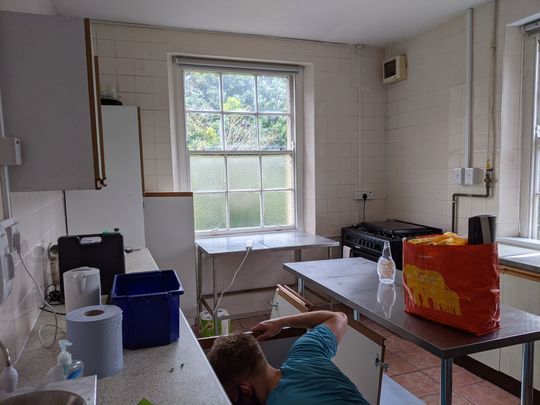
529	275
168	194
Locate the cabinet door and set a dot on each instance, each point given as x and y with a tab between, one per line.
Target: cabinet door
524	294
49	101
359	354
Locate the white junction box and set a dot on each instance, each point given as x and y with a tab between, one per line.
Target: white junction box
10	152
472	176
457	175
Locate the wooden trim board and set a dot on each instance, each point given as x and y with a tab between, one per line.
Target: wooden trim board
529	275
169	194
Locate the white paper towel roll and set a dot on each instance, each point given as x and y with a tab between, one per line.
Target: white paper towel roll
96	334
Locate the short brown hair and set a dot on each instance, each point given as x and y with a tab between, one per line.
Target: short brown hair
236	357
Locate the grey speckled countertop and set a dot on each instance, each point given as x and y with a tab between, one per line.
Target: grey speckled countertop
174	374
519	257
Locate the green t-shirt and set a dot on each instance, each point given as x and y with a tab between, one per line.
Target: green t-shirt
308	375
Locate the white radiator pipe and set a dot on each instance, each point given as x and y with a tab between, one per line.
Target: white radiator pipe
467	136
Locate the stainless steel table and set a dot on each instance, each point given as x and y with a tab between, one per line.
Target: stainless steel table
354	282
211	247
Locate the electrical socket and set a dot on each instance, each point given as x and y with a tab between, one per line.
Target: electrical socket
359	195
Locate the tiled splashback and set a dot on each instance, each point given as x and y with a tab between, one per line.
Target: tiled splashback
40	217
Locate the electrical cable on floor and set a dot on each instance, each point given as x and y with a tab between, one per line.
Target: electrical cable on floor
46	304
232	281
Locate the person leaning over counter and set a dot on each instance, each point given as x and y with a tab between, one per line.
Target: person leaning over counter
308	375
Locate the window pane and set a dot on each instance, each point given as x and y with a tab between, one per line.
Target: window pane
209	210
203	131
274	133
201	91
245	210
273	93
244	173
277	171
278	208
207	173
240	132
238	92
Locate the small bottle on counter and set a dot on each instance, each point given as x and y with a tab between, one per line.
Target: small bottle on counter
386	268
65	368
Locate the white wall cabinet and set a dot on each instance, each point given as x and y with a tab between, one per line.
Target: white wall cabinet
48	82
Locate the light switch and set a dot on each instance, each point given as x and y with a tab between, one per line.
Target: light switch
457	176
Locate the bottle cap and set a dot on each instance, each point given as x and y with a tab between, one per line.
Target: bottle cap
387	253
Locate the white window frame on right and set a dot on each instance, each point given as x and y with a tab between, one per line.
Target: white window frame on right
184	154
530	165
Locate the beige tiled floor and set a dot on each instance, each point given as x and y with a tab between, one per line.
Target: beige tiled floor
418	371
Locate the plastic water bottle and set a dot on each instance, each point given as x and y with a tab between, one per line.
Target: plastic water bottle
386	268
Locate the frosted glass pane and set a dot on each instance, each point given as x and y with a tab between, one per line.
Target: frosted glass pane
203	131
277	171
244	210
278	208
201	91
274	133
209	211
240	132
273	93
238	92
207	173
244	173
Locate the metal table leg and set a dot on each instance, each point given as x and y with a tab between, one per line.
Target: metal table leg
446	381
329	252
527	367
356	315
200	269
214	314
301	287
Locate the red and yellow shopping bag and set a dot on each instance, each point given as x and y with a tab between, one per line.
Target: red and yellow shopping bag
454	285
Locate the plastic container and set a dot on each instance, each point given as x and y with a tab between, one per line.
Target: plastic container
386	268
150	302
206	324
65	368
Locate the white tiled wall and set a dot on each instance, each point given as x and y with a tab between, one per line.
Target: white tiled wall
334	79
425	122
41	221
425	119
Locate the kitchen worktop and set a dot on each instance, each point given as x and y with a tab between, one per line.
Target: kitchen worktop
520	257
177	373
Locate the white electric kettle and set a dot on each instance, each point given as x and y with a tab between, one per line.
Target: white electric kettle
82	287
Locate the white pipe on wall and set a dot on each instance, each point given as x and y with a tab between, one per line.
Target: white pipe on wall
467	136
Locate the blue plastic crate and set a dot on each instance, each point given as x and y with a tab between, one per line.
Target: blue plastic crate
150	302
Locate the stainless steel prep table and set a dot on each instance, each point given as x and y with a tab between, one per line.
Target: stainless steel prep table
211	247
354	282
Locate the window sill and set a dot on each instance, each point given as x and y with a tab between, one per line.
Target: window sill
520	242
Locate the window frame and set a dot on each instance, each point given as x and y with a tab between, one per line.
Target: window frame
530	175
181	174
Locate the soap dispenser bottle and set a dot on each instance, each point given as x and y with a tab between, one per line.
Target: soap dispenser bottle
65	368
386	267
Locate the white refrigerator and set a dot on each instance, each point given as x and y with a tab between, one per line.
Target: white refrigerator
119	205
